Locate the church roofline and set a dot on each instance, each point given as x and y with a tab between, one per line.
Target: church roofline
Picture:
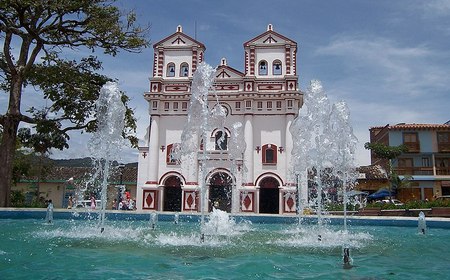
179	33
229	68
269	31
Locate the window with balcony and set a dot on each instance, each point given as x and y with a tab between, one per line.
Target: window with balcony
269	154
405	166
166	106
426	162
411	140
442	166
443	139
184	106
175	106
269	105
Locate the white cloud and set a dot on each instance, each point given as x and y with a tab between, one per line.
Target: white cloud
407	70
433	8
385	83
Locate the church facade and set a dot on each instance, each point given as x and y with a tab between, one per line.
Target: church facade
264	99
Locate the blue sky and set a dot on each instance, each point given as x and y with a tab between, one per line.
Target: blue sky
389	60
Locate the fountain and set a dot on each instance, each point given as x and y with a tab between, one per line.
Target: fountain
153	220
107	140
197	127
200	120
267	247
235	248
422	224
324	146
49	213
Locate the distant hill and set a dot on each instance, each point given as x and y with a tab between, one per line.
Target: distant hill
83	162
76	162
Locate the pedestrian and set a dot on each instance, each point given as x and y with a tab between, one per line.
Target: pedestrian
70	202
93	202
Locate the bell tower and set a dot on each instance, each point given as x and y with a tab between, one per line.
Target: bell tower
175	60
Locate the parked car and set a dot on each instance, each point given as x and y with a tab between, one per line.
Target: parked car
87	204
393	201
443	198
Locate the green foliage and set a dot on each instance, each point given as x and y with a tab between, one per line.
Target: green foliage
29	165
17	199
416	204
71	87
34	35
340	207
22	166
389	153
386	152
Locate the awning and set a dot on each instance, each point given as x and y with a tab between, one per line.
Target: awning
380	194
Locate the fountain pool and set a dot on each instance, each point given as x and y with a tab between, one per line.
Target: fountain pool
75	249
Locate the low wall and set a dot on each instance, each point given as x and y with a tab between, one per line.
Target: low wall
404	221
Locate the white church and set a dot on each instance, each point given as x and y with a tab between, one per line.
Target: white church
265	99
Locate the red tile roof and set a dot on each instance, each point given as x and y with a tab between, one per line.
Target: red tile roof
63	173
414	126
373	172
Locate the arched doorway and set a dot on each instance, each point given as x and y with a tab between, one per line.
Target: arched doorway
220	186
172	194
269	194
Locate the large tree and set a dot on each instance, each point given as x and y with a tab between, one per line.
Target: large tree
389	154
36	36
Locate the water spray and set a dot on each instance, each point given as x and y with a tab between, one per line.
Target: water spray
153	220
346	258
422	224
107	141
202	238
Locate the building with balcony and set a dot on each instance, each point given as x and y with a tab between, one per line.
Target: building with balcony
264	99
427	160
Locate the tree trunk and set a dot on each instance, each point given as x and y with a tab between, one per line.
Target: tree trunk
7	151
10	124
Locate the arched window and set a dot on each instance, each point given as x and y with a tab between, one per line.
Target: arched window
170	70
269	154
184	70
221	141
277	68
173	154
262	67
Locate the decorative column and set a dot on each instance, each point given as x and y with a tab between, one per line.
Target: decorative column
252	60
154	151
288	149
249	151
288	59
236	192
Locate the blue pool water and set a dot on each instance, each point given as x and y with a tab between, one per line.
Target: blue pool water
75	249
